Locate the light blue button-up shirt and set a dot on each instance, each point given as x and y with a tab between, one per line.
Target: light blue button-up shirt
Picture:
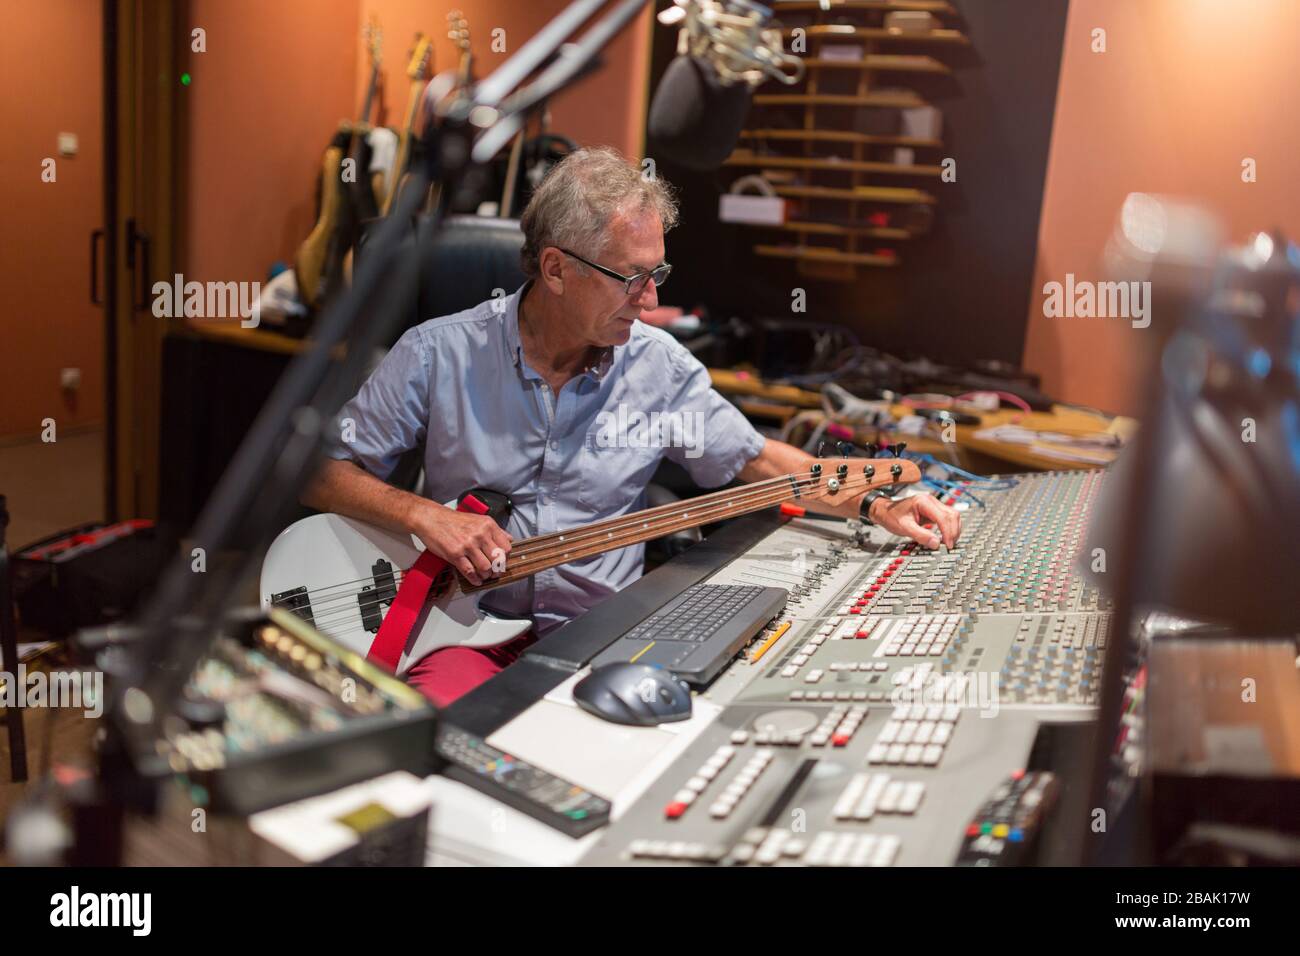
462	385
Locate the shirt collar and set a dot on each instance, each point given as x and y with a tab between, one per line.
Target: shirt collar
515	346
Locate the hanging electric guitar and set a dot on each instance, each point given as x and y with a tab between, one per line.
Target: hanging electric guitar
347	197
382	595
457	33
417	70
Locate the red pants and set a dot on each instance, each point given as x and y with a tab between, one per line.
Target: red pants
451	672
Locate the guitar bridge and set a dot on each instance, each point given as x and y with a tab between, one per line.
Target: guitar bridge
295	601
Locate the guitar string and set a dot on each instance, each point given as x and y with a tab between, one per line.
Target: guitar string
756	491
629	522
753	487
716	509
331	613
749	490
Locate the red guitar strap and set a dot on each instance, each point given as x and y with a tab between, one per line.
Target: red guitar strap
402	614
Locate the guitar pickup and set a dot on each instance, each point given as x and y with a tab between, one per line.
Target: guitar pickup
373	598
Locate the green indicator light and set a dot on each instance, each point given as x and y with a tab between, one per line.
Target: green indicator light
185	79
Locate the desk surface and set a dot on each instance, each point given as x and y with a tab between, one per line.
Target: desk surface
776	400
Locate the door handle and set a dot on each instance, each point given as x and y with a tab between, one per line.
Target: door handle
134	238
95	236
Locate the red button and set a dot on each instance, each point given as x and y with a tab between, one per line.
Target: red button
855	610
973	830
1017	774
839	740
674	810
866	633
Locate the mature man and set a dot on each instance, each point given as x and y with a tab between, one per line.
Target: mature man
510	394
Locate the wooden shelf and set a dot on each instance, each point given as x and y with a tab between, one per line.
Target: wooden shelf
861	194
833	229
881	100
880	61
830	6
818	254
745	158
831	31
832	235
841	136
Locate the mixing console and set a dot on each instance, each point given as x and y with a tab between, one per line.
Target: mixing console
900	688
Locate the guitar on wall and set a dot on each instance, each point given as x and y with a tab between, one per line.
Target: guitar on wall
345	200
384	596
458	34
417	70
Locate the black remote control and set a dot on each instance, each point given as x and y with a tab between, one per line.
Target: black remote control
1006	828
553	800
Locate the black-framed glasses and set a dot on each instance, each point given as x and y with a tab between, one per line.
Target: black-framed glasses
632	285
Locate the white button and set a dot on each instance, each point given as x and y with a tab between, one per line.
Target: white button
911	798
886	851
554	445
889	799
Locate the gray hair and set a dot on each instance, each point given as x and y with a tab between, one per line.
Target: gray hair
573	206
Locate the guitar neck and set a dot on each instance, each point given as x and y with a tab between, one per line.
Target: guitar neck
834	481
363	123
403	146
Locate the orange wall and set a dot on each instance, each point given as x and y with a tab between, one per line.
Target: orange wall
265	99
606	108
1185	91
51	77
277	78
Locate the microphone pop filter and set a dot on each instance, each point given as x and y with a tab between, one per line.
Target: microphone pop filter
695	120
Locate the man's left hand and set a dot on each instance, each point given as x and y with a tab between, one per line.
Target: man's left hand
906	516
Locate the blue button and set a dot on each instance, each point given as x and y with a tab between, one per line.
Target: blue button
1017	835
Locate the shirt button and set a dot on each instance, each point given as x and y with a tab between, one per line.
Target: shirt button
554	445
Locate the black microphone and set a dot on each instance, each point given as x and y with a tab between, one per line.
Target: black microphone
696	119
725	49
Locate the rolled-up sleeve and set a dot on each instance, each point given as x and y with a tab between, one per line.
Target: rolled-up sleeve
390	414
724	440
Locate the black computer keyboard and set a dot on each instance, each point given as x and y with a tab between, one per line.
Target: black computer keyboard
700	612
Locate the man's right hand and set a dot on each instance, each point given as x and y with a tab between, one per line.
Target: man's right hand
468	542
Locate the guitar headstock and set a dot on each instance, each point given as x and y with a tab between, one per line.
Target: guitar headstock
421	54
458	33
458	30
373	34
841	479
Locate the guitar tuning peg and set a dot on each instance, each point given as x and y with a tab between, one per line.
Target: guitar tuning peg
899	449
845	448
873	450
821	447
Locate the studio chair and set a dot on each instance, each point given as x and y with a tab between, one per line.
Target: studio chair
465	263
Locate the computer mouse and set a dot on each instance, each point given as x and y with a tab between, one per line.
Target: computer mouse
638	694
